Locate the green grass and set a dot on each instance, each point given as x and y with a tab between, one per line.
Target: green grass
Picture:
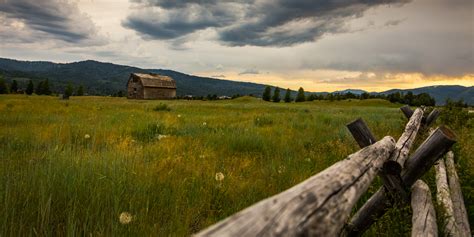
72	167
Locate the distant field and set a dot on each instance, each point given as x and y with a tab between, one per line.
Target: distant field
72	167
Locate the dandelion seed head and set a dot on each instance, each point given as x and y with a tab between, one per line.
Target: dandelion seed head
161	136
219	176
125	218
179	115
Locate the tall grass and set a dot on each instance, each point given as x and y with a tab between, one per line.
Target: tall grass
71	168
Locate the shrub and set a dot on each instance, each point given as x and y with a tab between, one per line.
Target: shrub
162	107
454	114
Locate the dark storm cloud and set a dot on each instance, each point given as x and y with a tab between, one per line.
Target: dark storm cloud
261	22
159	19
49	18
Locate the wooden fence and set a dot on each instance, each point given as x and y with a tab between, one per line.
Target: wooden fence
322	204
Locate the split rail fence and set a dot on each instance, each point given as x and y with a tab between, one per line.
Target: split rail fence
322	204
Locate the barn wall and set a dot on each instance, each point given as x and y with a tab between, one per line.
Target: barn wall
134	90
159	93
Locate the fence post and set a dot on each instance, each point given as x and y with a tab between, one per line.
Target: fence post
432	117
361	133
407	111
444	199
424	215
434	147
392	178
460	213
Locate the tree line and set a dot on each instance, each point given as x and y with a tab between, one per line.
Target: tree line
43	87
397	97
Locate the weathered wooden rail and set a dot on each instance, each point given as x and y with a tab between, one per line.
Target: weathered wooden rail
322	204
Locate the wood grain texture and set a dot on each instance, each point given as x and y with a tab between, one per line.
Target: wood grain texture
424	215
361	133
392	169
407	111
460	213
404	143
432	117
434	147
443	198
319	206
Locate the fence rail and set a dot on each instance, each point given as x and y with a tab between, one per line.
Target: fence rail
321	205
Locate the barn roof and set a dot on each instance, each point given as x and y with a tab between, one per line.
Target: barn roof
155	80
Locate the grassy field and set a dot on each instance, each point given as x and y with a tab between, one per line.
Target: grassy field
73	167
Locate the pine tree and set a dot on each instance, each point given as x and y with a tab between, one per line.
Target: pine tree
68	91
408	98
30	88
46	89
288	96
311	97
300	96
267	94
40	88
80	91
14	87
3	86
276	95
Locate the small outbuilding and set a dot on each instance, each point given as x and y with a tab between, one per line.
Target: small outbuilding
150	86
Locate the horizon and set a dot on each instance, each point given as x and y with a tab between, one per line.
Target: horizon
320	46
293	89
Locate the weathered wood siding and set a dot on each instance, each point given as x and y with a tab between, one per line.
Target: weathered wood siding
158	93
134	89
138	89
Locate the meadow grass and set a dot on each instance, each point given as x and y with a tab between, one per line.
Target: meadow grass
73	167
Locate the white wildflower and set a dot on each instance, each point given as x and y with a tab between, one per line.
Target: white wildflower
161	136
219	176
204	124
281	169
87	136
179	115
202	156
125	218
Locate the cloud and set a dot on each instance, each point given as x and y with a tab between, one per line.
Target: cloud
163	20
218	76
249	71
394	22
31	20
275	23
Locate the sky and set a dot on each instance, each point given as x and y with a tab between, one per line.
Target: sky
320	45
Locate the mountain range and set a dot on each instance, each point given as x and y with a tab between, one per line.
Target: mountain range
101	78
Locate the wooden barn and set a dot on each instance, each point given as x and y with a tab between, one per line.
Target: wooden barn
150	86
